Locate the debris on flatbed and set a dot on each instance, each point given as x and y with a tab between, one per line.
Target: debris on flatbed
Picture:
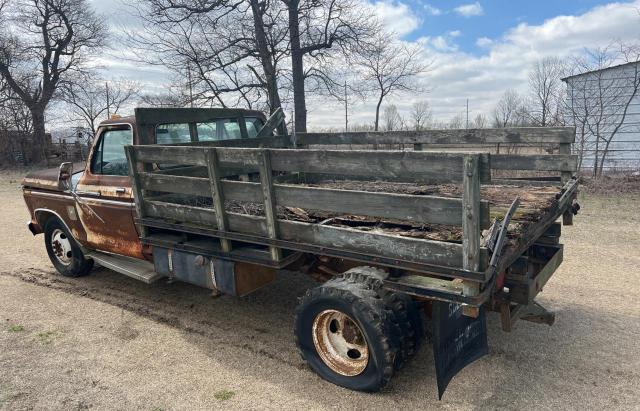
535	201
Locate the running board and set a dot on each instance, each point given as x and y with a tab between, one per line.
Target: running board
131	267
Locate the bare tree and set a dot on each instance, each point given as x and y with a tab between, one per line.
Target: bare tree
421	115
545	89
392	118
14	114
166	99
90	101
390	67
599	99
318	28
228	50
456	122
480	121
505	113
48	41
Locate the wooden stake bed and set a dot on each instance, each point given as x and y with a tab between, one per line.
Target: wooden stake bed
428	213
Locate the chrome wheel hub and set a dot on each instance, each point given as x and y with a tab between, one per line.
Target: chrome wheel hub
61	246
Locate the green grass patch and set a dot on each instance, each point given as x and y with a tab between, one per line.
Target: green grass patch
5	395
223	395
15	328
47	337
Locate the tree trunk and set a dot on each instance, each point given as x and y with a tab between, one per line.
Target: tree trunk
297	68
39	135
605	151
267	63
378	112
596	155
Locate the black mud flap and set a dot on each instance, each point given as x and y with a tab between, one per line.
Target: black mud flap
457	341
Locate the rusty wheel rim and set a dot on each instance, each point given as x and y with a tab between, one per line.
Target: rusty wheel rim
61	246
340	343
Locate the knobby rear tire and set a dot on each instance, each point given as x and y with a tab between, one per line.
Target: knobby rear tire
356	299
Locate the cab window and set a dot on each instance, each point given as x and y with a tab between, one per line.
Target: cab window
109	157
207	131
230	129
173	133
253	126
227	129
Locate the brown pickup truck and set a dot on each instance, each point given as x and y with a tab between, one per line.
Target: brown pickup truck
405	242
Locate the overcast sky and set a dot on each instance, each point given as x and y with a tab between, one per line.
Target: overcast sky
479	49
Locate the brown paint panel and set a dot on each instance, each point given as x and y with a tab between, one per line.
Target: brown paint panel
58	203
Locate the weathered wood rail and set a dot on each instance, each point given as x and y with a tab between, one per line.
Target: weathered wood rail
204	166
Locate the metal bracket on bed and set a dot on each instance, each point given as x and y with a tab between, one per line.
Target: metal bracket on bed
498	244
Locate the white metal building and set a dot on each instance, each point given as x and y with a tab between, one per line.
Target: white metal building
604	106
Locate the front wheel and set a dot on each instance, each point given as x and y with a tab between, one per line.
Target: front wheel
345	332
64	252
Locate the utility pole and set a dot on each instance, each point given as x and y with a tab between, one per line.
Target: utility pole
467	113
190	86
106	86
346	108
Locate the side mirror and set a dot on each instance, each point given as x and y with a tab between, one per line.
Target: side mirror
64	176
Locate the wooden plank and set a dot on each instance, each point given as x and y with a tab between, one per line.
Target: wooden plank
565	149
425	251
217	194
413	208
521	135
538	162
272	122
471	221
396	165
190	171
337	238
181	213
186	155
525	183
269	200
256	142
136	186
175	184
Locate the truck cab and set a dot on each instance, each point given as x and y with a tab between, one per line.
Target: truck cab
95	206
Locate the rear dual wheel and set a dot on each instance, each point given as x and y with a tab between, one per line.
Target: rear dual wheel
352	333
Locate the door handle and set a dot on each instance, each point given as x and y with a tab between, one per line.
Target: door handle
121	190
88	193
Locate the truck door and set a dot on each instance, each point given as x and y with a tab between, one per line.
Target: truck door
104	198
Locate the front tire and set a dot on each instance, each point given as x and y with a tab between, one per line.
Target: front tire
64	252
345	333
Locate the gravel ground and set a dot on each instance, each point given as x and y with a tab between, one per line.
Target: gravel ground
109	342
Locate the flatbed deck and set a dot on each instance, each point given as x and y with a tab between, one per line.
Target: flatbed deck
430	214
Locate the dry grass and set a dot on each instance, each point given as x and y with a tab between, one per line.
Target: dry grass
611	184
